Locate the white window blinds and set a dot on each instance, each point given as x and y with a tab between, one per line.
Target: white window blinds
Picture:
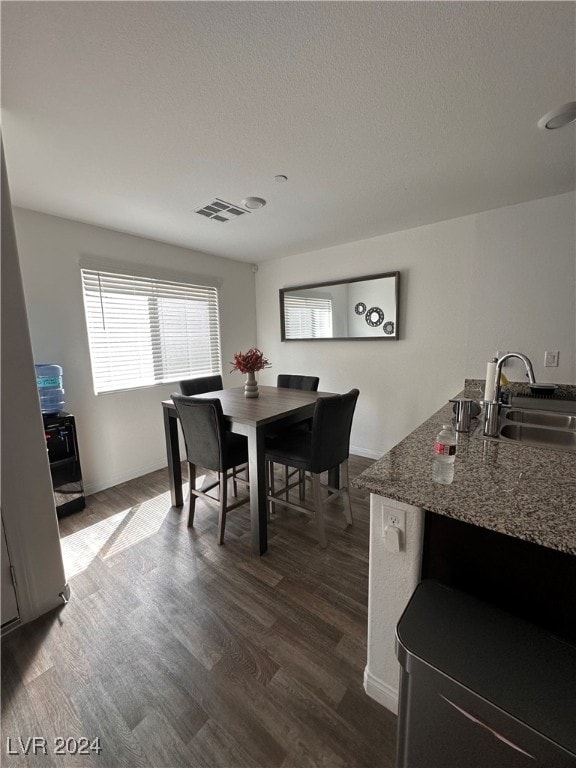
307	317
144	331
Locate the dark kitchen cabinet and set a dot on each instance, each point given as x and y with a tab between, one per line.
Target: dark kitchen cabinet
522	578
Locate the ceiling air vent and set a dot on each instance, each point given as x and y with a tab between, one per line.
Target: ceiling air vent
219	210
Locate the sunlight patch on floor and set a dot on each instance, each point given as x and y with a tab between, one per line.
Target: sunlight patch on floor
115	534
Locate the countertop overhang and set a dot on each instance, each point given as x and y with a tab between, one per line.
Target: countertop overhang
525	492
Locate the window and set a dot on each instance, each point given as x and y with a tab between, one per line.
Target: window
307	317
144	331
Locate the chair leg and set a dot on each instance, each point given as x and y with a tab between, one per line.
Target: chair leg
345	491
234	483
191	496
223	505
317	493
272	486
286	480
302	484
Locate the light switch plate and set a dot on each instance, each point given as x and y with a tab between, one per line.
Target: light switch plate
551	359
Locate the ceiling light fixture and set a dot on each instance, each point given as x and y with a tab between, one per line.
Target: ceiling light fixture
559	117
254	202
280	178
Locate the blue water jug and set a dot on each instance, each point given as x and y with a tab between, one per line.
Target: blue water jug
49	381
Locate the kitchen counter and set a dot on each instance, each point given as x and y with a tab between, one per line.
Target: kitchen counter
525	492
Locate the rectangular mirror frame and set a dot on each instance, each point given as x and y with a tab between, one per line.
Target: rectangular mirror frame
363	278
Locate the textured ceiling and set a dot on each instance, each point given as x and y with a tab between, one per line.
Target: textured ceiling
383	115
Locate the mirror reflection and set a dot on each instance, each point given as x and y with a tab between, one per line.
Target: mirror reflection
359	308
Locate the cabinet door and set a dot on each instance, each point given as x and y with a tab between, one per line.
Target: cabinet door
9	604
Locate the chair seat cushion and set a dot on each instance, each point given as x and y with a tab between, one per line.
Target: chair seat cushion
293	448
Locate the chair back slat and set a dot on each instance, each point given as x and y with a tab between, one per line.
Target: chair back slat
204	429
290	381
192	387
331	427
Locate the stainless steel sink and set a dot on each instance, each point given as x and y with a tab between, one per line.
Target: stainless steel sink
542	418
537	428
561	439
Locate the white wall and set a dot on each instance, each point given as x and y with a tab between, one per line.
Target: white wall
120	434
28	511
373	293
503	279
393	578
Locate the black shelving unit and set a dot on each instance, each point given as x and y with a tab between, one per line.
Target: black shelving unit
64	458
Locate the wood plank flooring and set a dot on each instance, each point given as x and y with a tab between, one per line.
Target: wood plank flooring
177	652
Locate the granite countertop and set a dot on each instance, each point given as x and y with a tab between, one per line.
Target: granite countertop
526	492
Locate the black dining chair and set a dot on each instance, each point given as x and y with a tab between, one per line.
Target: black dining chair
203	384
210	445
325	447
292	381
295	381
191	387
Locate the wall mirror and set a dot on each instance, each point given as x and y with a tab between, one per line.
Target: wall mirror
359	308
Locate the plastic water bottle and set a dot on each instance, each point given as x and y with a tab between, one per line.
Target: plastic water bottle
444	455
50	391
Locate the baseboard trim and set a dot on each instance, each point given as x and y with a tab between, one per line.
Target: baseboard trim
381	692
123	477
366	452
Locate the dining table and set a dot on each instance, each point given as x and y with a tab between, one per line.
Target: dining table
254	417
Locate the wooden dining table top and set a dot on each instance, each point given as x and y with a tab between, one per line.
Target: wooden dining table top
272	404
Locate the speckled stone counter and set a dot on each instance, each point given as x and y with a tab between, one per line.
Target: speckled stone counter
526	492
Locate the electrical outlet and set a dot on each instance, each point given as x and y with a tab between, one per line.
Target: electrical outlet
395	517
551	359
394	530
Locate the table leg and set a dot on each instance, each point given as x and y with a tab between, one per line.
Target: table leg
257	469
173	456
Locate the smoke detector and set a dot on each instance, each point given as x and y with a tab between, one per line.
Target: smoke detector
220	210
254	202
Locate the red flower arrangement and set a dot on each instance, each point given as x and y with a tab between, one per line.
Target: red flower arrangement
250	362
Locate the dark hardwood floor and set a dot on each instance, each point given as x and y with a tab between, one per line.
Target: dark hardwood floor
177	652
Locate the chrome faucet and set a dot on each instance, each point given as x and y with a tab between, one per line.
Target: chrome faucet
491	406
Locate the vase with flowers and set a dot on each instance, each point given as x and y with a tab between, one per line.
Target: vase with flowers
250	363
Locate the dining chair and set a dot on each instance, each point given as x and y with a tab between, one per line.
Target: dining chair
210	445
326	446
193	387
295	381
292	381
